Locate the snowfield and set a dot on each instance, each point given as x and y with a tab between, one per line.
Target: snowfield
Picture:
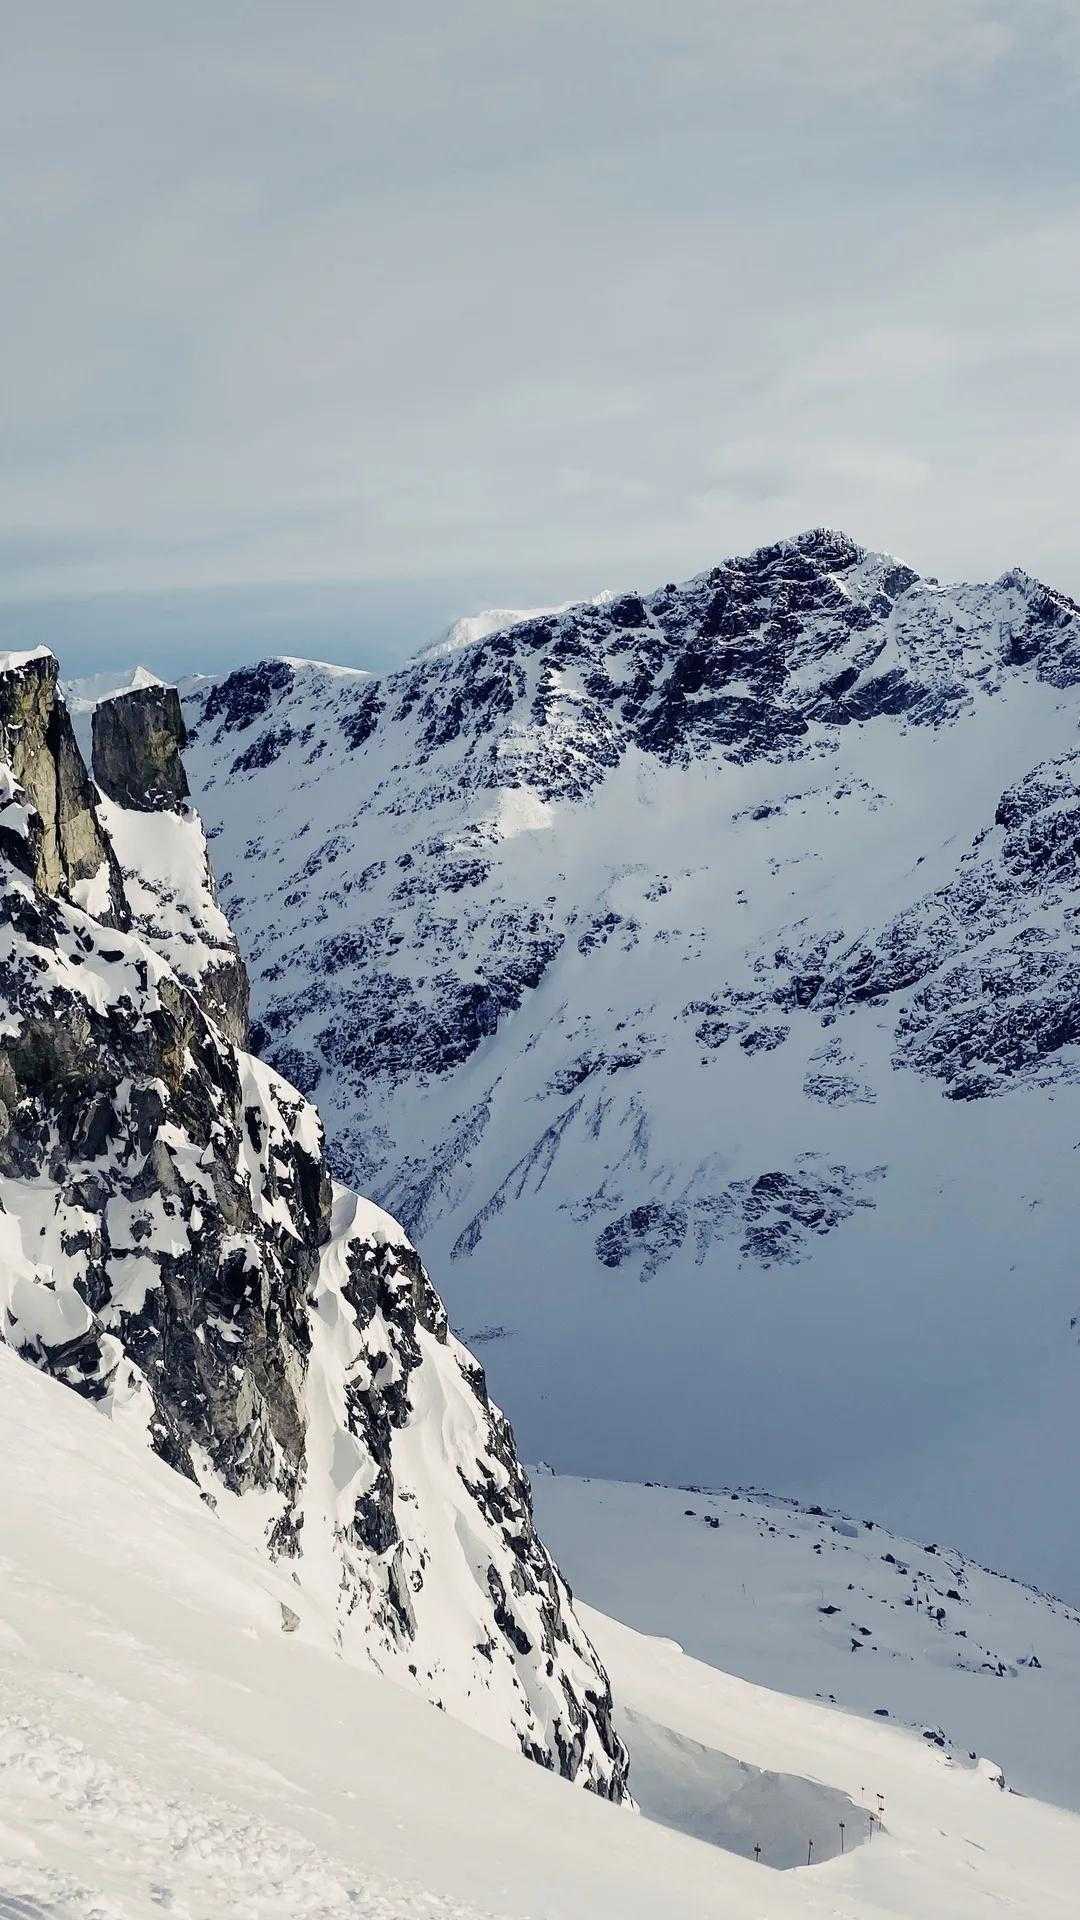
166	1746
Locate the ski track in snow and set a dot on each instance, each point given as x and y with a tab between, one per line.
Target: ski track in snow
190	1857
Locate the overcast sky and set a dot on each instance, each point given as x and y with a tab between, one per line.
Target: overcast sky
325	322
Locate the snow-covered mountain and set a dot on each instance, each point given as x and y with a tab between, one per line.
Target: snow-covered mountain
172	1247
695	975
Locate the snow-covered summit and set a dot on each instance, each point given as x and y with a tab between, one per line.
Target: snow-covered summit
12	661
90	689
301	664
85	692
471	627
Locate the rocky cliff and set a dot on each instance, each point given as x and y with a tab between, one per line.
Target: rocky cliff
173	1249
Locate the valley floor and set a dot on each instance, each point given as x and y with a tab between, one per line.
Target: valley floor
165	1747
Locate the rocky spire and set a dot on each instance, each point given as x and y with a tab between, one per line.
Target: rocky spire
50	825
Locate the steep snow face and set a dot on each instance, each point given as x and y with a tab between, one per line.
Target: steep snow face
172	1248
694	973
137	737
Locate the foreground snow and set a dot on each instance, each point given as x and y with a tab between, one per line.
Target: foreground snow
166	1746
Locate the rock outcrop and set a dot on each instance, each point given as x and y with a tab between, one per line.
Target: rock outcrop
50	822
138	737
172	1247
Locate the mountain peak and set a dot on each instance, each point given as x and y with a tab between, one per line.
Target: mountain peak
471	627
830	546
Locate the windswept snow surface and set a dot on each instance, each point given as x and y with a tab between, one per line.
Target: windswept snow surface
11	662
299	663
166	1746
695	976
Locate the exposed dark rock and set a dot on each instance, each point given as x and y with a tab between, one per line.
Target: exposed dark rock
236	702
655	1231
138	736
63	847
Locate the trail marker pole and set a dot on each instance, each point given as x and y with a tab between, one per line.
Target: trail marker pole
809	1852
757	1853
841	1836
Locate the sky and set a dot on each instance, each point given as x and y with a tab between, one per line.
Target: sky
324	324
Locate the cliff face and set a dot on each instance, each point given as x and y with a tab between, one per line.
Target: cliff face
172	1247
138	736
50	820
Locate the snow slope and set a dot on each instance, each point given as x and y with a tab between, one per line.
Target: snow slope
166	1747
695	976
